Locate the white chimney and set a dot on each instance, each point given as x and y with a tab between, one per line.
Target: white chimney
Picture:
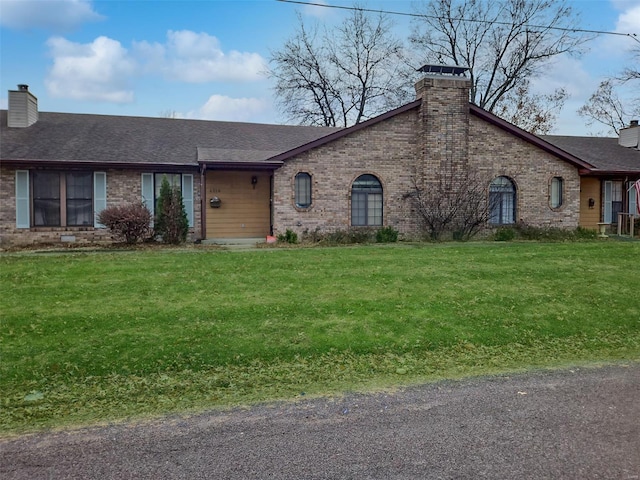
630	136
23	107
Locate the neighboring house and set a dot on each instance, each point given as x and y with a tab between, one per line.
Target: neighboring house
250	180
607	189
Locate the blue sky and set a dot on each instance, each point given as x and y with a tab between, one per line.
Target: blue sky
205	59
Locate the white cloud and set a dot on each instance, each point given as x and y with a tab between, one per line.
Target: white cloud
565	72
198	58
629	22
55	15
96	71
220	107
316	11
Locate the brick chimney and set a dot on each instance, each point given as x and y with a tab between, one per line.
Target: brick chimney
23	107
444	115
630	136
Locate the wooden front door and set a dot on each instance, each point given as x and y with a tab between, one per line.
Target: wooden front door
245	207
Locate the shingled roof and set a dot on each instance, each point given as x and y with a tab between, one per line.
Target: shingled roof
603	153
118	140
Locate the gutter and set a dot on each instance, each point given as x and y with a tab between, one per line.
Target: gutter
81	164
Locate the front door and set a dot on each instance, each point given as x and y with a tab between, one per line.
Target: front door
244	210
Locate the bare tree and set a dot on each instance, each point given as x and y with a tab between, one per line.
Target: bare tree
606	107
632	72
533	112
340	76
458	203
504	43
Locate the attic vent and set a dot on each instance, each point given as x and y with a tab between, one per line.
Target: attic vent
447	70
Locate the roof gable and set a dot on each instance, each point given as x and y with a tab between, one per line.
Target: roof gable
345	131
529	137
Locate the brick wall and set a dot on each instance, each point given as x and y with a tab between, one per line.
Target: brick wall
494	152
123	186
439	136
386	150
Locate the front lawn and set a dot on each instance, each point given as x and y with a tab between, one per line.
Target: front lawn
91	337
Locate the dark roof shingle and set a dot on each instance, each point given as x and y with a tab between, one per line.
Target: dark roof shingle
118	139
604	153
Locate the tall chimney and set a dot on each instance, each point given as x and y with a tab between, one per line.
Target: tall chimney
444	118
23	107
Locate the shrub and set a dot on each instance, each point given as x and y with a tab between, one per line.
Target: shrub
505	234
171	222
387	235
288	237
528	232
130	222
348	237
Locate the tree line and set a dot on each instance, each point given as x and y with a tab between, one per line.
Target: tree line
343	75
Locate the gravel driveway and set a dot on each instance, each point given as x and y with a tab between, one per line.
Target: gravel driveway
580	423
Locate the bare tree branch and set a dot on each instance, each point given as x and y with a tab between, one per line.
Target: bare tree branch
343	76
535	113
502	51
605	107
456	204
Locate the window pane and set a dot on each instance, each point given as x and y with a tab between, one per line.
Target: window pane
374	211
556	192
79	185
79	212
174	180
46	199
367	182
507	208
79	198
494	208
616	194
358	209
303	190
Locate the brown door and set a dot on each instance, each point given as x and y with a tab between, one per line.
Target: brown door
244	210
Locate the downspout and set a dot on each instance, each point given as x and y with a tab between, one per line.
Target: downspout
203	202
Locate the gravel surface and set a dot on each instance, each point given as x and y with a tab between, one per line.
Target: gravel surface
581	423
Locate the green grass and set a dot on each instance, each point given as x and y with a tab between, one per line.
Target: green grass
92	337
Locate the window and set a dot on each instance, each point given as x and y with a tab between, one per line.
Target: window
79	198
152	182
47	198
62	199
303	190
612	201
557	184
174	179
366	201
502	201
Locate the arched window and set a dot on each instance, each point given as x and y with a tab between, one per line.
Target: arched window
366	201
502	201
303	190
